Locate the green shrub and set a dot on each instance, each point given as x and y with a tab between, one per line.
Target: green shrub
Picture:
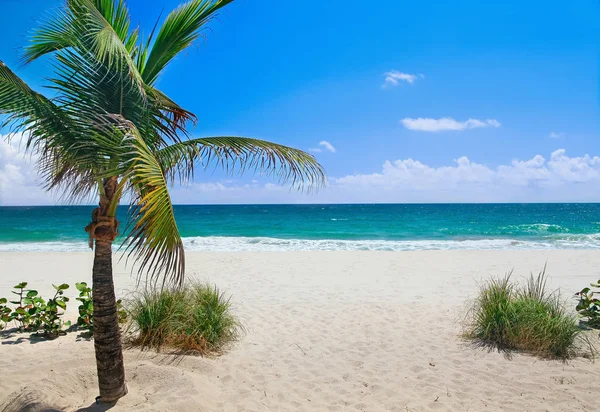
86	307
493	312
588	306
544	328
33	313
195	318
5	312
508	316
50	313
28	308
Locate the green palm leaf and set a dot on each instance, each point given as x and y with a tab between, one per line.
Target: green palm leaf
178	32
50	133
153	239
55	34
97	26
240	154
116	14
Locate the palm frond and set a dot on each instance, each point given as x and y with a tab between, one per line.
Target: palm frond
181	27
100	27
100	36
233	153
143	50
73	147
171	118
116	13
49	132
54	34
153	238
25	107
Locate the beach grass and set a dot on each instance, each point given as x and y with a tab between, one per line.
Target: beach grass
196	318
529	318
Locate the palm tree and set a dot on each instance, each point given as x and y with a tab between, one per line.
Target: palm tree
107	131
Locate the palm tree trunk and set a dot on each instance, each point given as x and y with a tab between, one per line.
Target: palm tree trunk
107	335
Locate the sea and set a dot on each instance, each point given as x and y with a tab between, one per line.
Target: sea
386	227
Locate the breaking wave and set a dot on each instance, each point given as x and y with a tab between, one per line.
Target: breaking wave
268	244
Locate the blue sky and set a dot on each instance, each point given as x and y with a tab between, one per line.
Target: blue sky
303	72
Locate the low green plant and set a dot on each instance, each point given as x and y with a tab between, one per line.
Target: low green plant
508	316
589	305
28	308
19	314
211	316
32	313
195	318
493	312
5	312
51	322
543	327
86	307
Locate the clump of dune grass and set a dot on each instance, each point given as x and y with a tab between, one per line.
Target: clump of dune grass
196	318
493	313
528	318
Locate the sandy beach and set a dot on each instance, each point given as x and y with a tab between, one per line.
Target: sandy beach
326	331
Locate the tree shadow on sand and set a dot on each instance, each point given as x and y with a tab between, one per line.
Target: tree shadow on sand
28	402
97	407
32	402
14	337
489	347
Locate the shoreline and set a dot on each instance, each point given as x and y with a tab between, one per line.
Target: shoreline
210	244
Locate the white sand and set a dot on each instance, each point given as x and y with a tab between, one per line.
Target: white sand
327	331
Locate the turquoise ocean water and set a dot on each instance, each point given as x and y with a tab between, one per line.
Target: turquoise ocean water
330	227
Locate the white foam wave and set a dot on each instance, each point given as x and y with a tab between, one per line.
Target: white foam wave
537	227
234	244
216	243
44	246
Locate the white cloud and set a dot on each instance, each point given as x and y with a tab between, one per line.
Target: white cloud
326	145
394	77
425	124
556	135
558	178
561	178
553	178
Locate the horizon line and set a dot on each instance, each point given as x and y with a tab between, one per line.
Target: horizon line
329	204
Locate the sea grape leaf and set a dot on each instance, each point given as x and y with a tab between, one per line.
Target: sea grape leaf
81	286
61	287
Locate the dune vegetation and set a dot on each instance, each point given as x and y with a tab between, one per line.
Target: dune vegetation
196	318
508	316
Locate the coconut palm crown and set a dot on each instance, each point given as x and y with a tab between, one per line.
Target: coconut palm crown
107	131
